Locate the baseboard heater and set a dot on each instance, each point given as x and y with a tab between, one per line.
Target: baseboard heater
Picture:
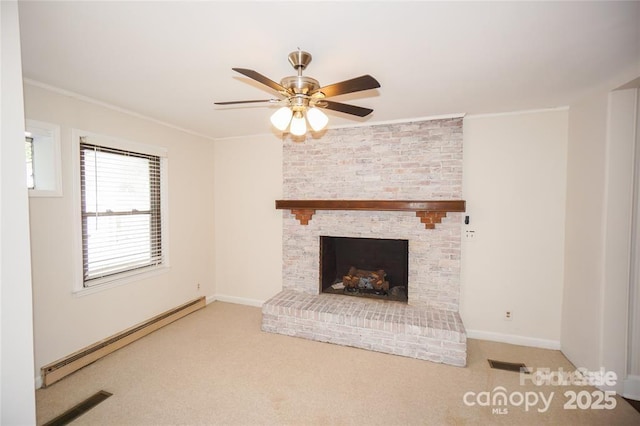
57	370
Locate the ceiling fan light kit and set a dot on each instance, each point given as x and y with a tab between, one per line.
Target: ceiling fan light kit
284	117
303	96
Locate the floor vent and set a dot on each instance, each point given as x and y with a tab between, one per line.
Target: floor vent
55	371
75	412
509	366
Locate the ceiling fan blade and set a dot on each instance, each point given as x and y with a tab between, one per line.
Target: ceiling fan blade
245	102
364	82
261	79
346	108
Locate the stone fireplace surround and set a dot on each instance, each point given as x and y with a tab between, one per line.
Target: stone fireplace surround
408	161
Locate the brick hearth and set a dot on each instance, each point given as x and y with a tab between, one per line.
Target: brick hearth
391	327
409	161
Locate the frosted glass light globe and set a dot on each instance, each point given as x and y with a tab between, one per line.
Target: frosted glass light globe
317	119
280	119
298	125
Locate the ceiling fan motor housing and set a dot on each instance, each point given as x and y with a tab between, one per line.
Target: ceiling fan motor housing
301	86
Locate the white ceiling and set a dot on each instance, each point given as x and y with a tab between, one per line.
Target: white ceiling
171	60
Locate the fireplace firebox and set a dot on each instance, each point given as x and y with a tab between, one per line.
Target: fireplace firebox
365	267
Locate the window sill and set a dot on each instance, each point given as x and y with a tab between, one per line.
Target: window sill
45	193
121	279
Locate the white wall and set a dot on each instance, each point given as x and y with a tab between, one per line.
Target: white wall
248	228
602	138
65	322
17	396
514	185
584	249
632	384
621	141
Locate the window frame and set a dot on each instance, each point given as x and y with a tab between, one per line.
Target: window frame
125	277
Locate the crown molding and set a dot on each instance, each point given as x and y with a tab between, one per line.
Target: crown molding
112	107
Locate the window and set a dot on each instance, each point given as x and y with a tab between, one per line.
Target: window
121	211
42	152
28	148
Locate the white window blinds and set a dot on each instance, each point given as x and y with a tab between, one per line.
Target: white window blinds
121	223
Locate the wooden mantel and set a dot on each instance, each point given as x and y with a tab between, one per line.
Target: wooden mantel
430	212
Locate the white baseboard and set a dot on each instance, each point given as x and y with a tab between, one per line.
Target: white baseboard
632	388
38	381
514	340
236	300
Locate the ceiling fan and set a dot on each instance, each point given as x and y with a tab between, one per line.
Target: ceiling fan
303	96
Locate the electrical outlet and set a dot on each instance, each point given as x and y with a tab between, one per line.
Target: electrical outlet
198	286
470	235
508	315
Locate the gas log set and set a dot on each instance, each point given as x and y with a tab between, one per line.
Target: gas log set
362	282
360	279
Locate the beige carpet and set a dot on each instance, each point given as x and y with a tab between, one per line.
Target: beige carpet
216	367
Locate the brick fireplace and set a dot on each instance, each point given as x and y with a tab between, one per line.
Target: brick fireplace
407	161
